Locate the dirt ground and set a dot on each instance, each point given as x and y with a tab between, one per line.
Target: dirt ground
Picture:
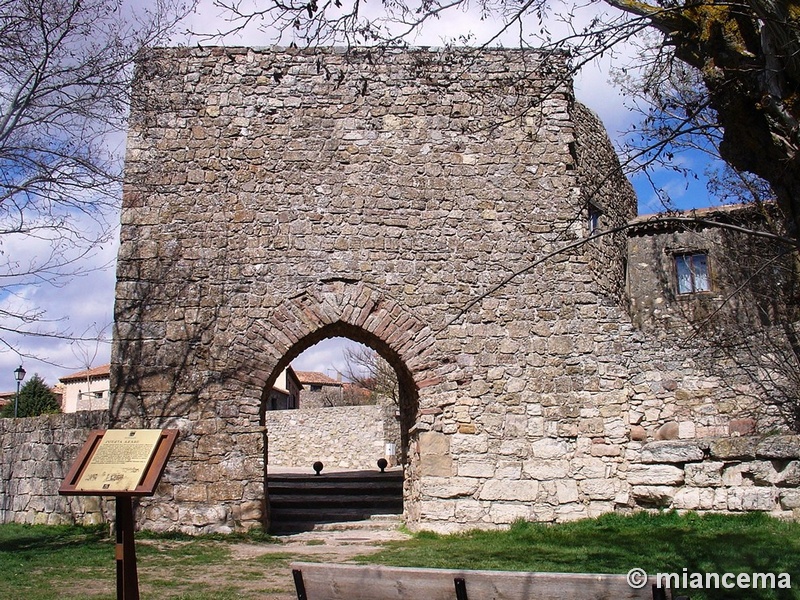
261	571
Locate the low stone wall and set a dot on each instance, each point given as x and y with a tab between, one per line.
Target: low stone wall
36	454
348	437
720	474
733	474
564	482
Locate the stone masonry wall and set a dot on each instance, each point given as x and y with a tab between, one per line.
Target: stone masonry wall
732	474
35	455
406	200
348	437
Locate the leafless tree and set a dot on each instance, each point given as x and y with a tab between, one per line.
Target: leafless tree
64	72
369	371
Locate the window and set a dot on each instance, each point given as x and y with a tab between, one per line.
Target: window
316	388
594	219
692	272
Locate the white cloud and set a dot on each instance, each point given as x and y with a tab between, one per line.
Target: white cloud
325	357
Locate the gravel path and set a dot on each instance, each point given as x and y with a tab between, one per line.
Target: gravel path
274	579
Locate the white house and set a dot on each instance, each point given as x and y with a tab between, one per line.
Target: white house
86	390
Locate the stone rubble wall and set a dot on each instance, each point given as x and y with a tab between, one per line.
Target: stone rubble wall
347	437
734	474
720	474
36	453
275	198
559	483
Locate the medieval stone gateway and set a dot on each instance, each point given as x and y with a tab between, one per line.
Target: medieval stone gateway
274	198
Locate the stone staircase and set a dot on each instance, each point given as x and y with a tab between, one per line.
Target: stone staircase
337	500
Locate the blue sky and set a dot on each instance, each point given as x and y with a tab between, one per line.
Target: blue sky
86	303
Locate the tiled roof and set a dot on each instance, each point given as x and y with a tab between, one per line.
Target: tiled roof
749	214
312	377
95	373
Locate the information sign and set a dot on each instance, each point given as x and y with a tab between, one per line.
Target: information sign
120	460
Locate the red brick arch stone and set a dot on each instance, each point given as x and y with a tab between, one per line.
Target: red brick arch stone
349	309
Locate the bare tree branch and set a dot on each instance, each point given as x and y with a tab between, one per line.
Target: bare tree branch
64	78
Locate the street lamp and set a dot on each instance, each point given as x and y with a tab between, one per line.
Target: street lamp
19	375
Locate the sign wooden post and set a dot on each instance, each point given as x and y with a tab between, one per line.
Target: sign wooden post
123	463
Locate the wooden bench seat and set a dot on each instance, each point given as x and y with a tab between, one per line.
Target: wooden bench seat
322	581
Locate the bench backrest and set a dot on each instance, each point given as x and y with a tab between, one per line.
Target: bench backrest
373	582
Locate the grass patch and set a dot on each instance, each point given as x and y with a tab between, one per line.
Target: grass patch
657	543
36	560
70	562
274	558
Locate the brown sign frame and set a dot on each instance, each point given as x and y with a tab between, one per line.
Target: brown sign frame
149	481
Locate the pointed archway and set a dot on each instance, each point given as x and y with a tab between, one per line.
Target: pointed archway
359	313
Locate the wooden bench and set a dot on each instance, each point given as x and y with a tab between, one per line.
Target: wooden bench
321	581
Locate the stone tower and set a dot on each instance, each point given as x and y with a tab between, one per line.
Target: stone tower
409	200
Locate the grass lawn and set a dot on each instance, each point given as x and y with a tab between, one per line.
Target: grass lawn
47	563
66	562
660	543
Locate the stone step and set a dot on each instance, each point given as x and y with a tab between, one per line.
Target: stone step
302	502
341	477
333	487
363	500
325	515
373	523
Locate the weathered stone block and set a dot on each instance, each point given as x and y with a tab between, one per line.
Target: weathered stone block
476	468
436	465
653	495
735	448
751	498
571	512
546	469
605	450
248	512
671	452
762	473
732	475
655	475
790	475
505	514
668	431
706	474
567	491
508	469
191	493
437	510
467	444
551	448
523	490
470	511
742	426
687	499
790	499
433	442
591	468
449	487
599	489
225	490
638	433
779	446
686	430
